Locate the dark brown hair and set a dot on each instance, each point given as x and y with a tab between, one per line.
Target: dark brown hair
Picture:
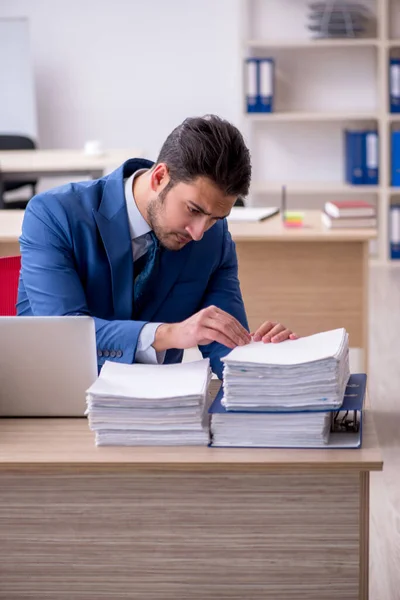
208	147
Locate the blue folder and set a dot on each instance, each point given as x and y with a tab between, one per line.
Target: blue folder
341	436
355	155
259	74
371	172
395	158
394	217
265	99
252	84
394	84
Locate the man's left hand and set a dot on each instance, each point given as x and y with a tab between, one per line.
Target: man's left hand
273	332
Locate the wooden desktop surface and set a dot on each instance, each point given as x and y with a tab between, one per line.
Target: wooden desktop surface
37	444
59	161
313	230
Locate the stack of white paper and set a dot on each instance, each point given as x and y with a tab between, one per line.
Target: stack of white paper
255	429
150	404
251	214
279	395
311	372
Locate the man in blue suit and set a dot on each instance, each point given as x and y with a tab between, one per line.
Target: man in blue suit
146	251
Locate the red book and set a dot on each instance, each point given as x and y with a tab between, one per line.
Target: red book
350	209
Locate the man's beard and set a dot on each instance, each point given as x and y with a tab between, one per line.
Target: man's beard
167	239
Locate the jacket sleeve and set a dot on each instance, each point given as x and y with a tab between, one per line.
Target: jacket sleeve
224	292
53	286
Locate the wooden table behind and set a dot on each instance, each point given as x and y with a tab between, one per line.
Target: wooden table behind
312	279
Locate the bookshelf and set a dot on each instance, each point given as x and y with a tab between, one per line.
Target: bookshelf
290	116
301	44
312	188
322	87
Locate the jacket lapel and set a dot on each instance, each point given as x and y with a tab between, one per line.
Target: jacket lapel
112	223
118	247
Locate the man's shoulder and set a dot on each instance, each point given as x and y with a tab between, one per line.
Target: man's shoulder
70	196
78	198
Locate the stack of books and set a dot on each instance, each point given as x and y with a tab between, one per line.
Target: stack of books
282	395
140	404
352	214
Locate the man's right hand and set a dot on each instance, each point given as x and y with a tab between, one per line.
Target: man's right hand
208	325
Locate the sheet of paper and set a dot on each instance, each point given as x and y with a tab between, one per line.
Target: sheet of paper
242	214
291	352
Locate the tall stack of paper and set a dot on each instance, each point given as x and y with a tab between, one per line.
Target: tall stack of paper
311	372
269	429
140	404
282	395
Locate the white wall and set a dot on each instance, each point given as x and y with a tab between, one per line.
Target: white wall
127	71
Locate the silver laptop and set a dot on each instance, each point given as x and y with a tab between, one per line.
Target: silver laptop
46	365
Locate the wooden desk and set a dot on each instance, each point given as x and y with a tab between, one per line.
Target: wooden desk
312	279
28	164
82	522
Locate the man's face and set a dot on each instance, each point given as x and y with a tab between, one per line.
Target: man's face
185	212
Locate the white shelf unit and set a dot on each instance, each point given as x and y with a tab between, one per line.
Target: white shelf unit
317	189
323	43
322	87
304	116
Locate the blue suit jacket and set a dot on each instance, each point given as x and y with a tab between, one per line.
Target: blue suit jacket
77	259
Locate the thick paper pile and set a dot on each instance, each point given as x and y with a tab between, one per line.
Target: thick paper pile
281	395
255	429
150	404
311	372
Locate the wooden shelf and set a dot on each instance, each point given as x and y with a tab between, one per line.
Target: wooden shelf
258	40
315	188
293	116
319	43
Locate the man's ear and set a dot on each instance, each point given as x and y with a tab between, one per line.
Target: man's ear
159	177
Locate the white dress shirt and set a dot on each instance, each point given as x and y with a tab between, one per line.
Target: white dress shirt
141	240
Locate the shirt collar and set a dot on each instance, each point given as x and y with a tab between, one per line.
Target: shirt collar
138	226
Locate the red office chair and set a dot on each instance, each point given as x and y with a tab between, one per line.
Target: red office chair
9	274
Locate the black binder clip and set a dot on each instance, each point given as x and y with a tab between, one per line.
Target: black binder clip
342	422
